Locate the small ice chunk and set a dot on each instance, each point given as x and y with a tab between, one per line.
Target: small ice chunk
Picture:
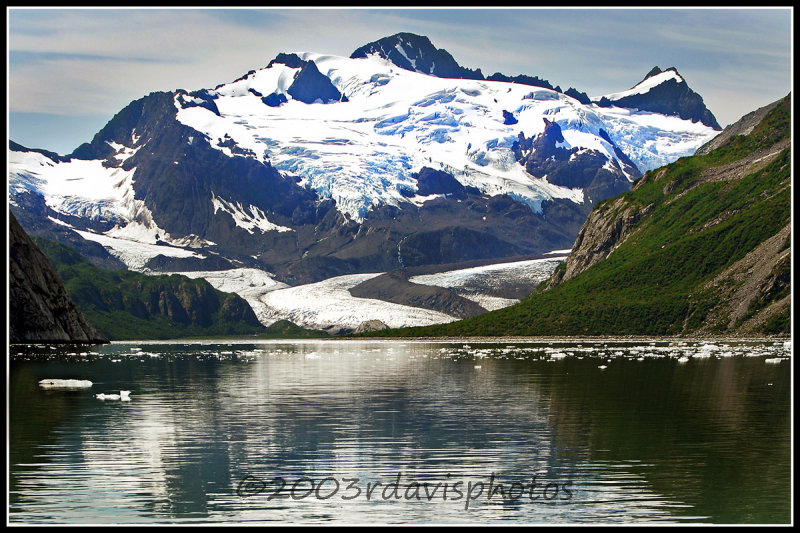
103	396
123	395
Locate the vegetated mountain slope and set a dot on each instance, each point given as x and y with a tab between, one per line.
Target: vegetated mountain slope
129	305
40	309
701	246
318	166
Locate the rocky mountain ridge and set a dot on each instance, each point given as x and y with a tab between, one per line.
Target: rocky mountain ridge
40	309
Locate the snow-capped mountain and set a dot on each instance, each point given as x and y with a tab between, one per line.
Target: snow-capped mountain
416	53
662	91
318	166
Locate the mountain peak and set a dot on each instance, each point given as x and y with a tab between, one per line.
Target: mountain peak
416	53
665	92
655	77
655	70
414	40
290	60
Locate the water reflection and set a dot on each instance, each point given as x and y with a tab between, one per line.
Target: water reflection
648	438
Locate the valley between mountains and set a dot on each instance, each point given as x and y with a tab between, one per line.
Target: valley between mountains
396	188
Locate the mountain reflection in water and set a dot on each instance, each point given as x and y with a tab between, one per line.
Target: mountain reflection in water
677	432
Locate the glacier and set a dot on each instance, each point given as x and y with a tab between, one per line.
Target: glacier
328	304
362	152
477	282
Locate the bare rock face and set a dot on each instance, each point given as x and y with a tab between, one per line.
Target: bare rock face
40	310
599	236
670	97
417	53
761	277
395	287
371	325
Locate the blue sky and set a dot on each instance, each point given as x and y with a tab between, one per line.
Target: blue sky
71	70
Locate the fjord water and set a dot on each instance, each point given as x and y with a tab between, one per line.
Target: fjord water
593	431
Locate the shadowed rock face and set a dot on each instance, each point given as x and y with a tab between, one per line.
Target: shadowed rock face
542	156
40	310
417	53
309	85
312	86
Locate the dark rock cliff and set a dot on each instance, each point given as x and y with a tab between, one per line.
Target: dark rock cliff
417	53
40	310
311	86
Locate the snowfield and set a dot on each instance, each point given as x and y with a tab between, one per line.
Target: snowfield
135	254
362	152
79	187
329	305
87	189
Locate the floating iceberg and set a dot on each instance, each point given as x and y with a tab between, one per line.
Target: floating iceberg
65	383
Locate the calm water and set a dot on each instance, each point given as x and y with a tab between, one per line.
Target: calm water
215	432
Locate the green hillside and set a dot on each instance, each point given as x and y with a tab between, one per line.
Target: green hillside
129	305
701	246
